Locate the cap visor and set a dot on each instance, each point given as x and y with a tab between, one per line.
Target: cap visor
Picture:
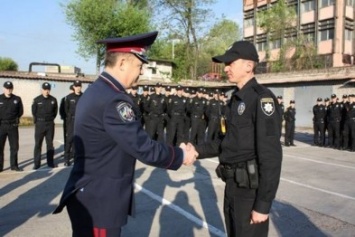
225	58
143	58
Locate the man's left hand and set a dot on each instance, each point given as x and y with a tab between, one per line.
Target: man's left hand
257	217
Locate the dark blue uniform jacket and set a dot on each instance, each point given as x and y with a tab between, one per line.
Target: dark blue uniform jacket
108	140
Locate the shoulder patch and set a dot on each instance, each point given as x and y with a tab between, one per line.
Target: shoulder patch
125	112
267	106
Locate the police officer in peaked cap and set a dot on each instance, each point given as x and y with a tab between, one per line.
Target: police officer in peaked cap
11	110
250	152
109	138
44	111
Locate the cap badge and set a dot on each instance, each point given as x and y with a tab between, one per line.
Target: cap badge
241	108
267	106
125	112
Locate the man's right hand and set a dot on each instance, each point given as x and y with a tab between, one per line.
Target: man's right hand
190	153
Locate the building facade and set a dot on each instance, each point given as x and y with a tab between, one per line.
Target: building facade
329	24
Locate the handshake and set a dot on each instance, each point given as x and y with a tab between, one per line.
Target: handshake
190	153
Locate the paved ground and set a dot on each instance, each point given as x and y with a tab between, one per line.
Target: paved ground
316	196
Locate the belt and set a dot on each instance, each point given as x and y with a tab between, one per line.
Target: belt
8	121
155	115
44	119
197	116
178	114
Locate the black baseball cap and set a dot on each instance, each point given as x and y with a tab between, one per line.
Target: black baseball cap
77	83
326	99
158	84
319	99
178	87
145	88
8	85
292	101
239	50
135	44
333	96
46	86
345	96
279	97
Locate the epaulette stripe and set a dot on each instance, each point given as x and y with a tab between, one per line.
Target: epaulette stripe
110	83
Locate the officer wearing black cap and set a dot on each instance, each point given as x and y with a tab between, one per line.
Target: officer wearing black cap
280	103
62	113
70	107
134	95
11	109
335	116
108	140
319	120
214	113
187	120
144	98
197	109
250	153
156	105
351	119
290	122
345	123
177	112
44	111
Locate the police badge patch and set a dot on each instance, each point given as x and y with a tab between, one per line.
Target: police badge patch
125	112
241	108
267	106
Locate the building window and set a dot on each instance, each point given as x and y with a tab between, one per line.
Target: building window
307	6
348	34
327	34
325	3
275	44
261	46
248	22
350	3
309	37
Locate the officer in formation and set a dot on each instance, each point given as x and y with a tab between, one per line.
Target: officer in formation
70	108
281	106
157	108
319	121
109	138
44	111
11	110
215	110
290	120
335	119
63	115
197	108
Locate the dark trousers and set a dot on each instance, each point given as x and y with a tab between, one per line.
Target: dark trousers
175	127
65	130
198	128
289	132
346	134
319	133
156	128
352	133
44	130
82	222
69	149
238	205
334	134
187	126
213	128
9	131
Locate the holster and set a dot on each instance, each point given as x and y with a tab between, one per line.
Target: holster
241	176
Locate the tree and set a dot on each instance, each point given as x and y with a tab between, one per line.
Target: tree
184	20
7	64
220	37
279	22
94	20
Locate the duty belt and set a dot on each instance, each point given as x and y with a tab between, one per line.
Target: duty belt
197	116
44	119
178	114
12	121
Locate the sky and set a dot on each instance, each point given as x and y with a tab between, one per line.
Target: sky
36	31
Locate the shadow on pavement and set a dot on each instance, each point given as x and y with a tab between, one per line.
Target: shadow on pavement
291	222
34	202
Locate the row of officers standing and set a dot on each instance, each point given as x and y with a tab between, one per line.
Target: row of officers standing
184	115
333	122
44	111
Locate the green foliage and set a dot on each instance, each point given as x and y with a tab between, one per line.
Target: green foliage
94	20
7	64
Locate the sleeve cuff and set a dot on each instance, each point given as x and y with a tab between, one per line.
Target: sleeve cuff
262	207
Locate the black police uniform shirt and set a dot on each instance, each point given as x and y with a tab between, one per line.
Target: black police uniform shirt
198	107
70	104
108	140
335	112
253	132
176	106
290	114
157	104
44	108
214	109
320	113
11	108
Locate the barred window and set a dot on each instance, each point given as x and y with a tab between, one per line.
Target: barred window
275	44
327	34
348	34
261	46
350	3
248	22
325	3
307	6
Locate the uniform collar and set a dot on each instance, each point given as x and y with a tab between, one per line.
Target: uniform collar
241	93
111	81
